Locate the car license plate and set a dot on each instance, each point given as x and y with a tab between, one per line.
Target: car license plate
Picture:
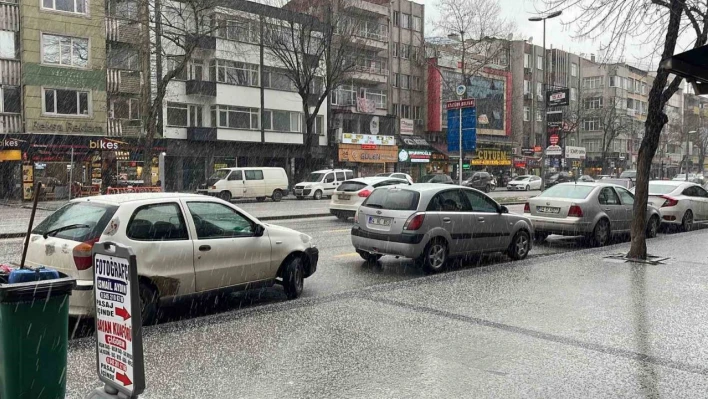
298	192
344	197
547	209
379	221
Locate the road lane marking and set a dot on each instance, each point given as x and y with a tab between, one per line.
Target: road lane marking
346	255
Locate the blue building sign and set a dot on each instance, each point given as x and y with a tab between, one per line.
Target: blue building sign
468	110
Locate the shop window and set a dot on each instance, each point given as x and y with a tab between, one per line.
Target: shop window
66	102
8	42
74	6
235	117
282	121
158	222
65	50
10	97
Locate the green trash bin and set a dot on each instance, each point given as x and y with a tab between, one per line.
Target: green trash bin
34	333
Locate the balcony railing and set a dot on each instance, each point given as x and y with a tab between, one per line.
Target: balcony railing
10	123
201	88
371	69
119	30
375	35
201	133
122	81
10	73
9	17
124	128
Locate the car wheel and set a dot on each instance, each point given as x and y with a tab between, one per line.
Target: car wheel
260	199
318	195
434	256
294	278
225	195
487	188
277	195
148	303
653	227
299	197
601	233
687	221
368	256
520	246
540	236
528	188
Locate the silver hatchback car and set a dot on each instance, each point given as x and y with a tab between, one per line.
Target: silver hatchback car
432	222
596	210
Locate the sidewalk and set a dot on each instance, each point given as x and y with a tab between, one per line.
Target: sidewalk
548	327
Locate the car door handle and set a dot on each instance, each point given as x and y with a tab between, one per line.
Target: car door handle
607	209
480	219
205	248
446	220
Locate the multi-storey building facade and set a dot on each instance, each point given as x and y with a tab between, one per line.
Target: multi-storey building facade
695	119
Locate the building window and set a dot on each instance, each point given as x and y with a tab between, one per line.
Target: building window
242	31
538	116
396	80
539	91
416	113
277	80
65	102
125	108
527	114
593	103
395	109
177	115
235	73
123	58
539	62
594	82
344	95
378	97
75	6
10	99
527	87
414	52
65	50
416	83
591	124
405	81
282	121
573	94
405	111
573	69
396	18
404	53
405	21
8	44
527	60
395	50
615	81
172	63
319	125
417	24
644	88
234	117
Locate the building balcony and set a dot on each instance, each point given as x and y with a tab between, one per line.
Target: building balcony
123	81
10	72
371	44
201	133
203	42
367	8
10	123
201	88
123	31
9	16
366	74
124	128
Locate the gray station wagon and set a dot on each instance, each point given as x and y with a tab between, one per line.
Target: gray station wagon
432	222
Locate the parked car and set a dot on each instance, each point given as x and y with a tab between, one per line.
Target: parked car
431	223
586	179
596	210
680	203
436	178
481	181
185	244
556	178
626	183
629	174
258	183
525	182
350	194
322	183
397	175
601	177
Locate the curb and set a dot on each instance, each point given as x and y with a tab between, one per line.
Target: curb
6	236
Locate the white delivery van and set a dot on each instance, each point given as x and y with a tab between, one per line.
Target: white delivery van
242	183
322	183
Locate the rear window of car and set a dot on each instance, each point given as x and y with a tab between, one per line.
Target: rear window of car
658	189
393	199
351	186
571	191
91	214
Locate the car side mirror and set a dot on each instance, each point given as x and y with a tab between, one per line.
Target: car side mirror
503	209
258	230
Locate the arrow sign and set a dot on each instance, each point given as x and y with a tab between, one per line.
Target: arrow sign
122	312
123	378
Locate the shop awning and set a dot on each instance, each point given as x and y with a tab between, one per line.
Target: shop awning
691	65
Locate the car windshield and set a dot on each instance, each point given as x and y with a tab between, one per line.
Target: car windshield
393	199
659	189
220	174
517	178
570	191
89	219
314	177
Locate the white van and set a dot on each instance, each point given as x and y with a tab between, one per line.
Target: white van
322	183
257	183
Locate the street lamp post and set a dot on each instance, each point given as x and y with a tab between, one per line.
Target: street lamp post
685	161
544	129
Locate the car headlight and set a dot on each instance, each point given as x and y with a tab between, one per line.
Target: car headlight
308	185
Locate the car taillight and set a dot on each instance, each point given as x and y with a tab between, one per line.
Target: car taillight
575	211
669	201
364	193
414	222
213	187
527	208
82	254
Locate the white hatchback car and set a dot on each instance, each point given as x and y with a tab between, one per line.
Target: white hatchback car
350	194
185	244
680	203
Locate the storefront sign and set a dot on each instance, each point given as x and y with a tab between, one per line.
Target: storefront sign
553	139
368	156
554	150
105	144
10	155
67	127
415	156
407	126
351	138
575	152
470	102
491	157
368	146
527	151
10	142
519	164
415	141
557	97
537	148
374	125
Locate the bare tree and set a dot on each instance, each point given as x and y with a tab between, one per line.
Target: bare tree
613	123
658	23
318	52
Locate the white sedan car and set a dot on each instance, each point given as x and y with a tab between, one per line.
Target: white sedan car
185	244
397	175
525	182
680	203
349	195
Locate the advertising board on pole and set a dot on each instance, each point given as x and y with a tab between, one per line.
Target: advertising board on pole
466	110
557	97
119	345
